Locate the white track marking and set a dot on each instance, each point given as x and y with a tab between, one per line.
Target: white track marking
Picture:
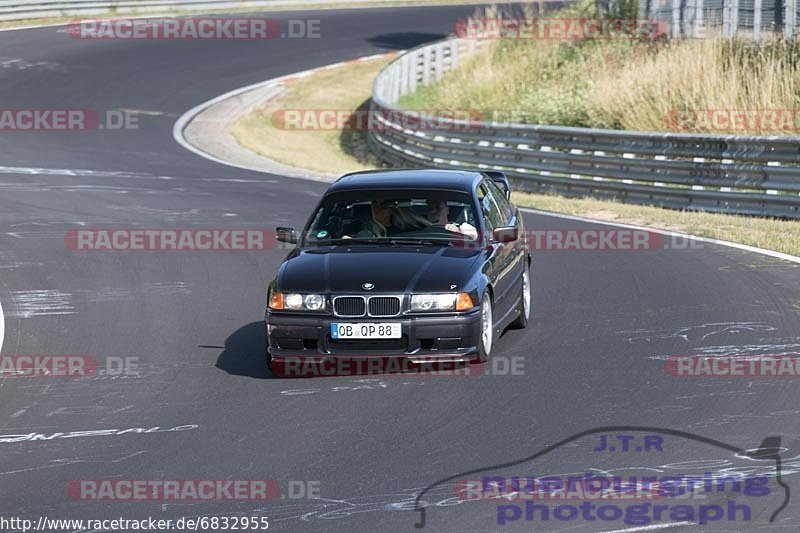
648	528
2	328
41	302
745	247
78	17
184	120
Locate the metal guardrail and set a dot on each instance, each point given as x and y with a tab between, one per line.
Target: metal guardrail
721	173
35	9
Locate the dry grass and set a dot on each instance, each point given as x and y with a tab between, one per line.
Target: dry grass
778	235
623	83
328	151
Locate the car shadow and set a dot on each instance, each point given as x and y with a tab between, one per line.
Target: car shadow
244	355
354	140
244	351
404	40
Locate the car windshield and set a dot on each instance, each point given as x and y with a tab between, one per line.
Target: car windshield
393	217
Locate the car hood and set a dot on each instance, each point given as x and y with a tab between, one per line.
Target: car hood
339	269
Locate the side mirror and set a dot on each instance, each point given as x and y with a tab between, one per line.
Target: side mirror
505	234
286	235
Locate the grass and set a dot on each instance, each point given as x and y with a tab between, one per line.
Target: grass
771	234
624	83
329	151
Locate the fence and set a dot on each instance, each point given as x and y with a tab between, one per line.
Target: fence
722	173
702	18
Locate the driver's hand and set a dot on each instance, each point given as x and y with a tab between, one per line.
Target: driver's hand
469	230
465	228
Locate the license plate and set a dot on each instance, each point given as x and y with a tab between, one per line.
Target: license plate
365	330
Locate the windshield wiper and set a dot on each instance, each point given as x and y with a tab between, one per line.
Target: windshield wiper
394	241
412	241
356	240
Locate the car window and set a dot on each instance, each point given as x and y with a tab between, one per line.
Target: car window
491	212
500	198
386	215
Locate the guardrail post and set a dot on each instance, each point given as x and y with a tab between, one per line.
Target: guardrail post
757	21
676	32
395	81
426	66
405	80
728	18
413	73
789	18
379	87
733	17
698	25
438	61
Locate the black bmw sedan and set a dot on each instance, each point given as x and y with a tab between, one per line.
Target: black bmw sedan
421	265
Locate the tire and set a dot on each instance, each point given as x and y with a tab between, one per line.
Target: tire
486	338
524	303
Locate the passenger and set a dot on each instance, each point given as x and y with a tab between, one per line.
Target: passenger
378	223
382	217
438	214
403	219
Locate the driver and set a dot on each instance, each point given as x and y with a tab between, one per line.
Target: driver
438	214
382	221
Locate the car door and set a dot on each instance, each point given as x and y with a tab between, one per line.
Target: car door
501	261
518	258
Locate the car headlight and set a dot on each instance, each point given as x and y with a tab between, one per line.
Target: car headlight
314	302
295	301
461	301
433	302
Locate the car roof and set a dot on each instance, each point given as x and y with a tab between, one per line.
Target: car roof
459	180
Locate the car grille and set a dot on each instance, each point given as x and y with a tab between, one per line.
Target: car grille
374	306
370	347
384	306
349	306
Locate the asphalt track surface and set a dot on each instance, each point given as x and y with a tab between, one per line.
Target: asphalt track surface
593	353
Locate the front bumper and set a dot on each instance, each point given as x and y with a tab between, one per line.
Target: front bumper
446	338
